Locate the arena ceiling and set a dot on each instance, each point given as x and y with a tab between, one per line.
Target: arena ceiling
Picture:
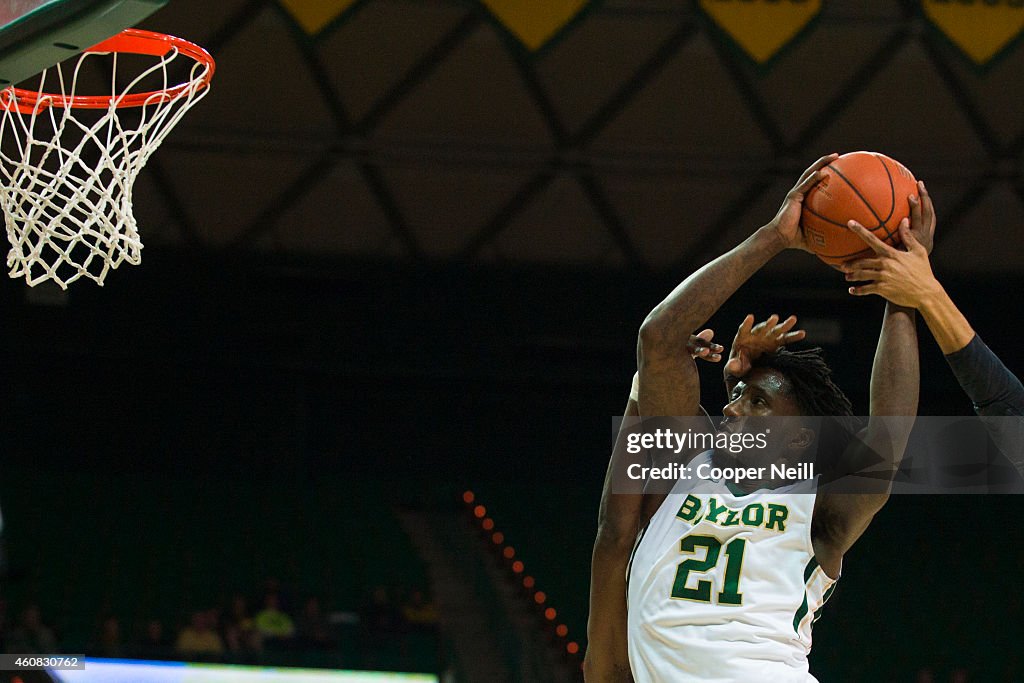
640	138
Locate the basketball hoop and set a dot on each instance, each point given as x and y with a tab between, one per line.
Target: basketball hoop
69	161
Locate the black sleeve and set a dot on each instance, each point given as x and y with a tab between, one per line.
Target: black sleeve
992	388
995	392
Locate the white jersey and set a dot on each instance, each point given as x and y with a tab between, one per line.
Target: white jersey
725	587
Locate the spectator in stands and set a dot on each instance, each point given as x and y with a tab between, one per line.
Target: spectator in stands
153	644
108	641
240	633
199	640
381	625
313	629
31	636
380	617
419	612
276	627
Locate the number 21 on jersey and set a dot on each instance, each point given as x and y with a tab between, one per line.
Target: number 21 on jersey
691	545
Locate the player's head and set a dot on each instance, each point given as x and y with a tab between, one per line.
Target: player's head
808	382
790	384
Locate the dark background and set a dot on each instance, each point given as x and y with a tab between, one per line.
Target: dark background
404	257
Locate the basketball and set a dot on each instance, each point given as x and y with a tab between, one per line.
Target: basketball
867	187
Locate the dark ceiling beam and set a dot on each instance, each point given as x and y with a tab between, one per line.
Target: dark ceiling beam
704	244
644	74
989	140
286	199
528	73
399	225
523	196
704	248
419	72
235	24
851	90
613	222
179	214
756	106
606	113
322	166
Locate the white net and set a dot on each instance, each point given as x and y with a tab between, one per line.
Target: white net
68	171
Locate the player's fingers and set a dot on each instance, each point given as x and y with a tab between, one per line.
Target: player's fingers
807	183
864	290
863	275
747	324
816	166
737	365
877	245
927	208
705	335
915	212
766	327
786	325
794	336
861	264
714	358
909	240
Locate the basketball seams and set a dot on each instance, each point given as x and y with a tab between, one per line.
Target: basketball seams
813	222
823	218
892	190
881	223
820	228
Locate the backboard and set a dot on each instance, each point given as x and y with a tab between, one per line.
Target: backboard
37	34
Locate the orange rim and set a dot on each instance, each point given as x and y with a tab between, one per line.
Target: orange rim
129	41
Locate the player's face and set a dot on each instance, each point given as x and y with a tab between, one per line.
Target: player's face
764	393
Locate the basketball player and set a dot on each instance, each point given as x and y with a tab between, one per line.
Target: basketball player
712	598
906	278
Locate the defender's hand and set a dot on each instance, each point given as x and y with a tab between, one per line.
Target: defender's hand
903	277
752	341
787	221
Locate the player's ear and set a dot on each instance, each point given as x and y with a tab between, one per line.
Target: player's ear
803	438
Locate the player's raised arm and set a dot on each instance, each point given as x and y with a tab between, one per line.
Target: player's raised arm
840	518
607	656
906	278
668	380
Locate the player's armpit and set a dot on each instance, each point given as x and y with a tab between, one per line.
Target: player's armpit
857	488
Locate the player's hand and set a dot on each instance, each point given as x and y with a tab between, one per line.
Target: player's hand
700	346
752	341
787	221
903	277
922	217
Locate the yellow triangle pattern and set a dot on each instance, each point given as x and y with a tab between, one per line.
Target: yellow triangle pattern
314	15
761	27
535	22
980	29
